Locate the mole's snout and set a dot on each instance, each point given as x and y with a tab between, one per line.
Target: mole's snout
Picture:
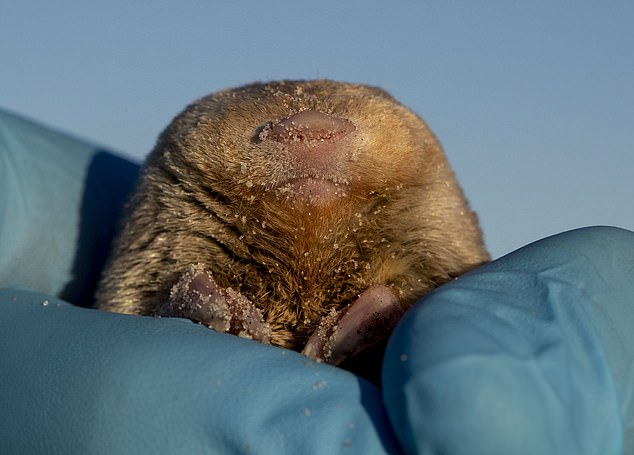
309	128
312	138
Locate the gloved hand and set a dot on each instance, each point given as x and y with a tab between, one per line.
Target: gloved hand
529	354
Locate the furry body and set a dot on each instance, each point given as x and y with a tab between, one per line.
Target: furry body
297	231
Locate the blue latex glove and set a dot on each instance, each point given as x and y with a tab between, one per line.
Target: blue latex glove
530	354
59	200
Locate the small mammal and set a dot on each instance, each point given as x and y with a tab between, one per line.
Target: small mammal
304	214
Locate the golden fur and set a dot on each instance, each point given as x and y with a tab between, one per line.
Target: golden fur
211	192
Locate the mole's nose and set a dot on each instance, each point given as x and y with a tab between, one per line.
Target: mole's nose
309	128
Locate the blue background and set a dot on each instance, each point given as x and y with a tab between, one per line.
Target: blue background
533	101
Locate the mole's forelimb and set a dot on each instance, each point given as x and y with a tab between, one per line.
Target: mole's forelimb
196	296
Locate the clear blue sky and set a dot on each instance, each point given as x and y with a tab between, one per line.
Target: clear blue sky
533	101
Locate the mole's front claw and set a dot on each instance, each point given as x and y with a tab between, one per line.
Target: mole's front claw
196	296
366	322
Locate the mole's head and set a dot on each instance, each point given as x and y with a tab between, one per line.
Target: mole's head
298	142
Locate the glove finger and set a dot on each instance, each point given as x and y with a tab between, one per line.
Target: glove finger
83	381
60	198
529	354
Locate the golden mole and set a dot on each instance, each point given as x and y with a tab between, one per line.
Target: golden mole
305	214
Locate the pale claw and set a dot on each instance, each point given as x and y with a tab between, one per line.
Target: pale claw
366	322
196	296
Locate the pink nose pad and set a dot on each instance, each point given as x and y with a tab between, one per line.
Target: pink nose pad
310	128
313	139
